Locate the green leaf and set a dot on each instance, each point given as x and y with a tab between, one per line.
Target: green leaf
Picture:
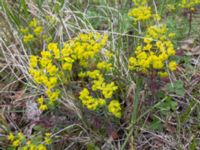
156	124
186	115
168	105
37	139
24	7
193	145
176	87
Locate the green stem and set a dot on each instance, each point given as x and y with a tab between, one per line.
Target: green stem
139	85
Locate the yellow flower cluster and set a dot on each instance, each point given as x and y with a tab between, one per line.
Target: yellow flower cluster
20	141
114	108
47	138
45	72
141	13
16	140
101	89
33	31
55	66
90	102
41	103
99	83
189	3
155	52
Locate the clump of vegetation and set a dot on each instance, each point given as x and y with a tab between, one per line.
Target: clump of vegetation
64	65
99	74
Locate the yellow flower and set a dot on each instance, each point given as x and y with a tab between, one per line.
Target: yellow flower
38	30
46	54
108	89
36	75
189	4
104	65
53	96
94	74
142	55
115	108
82	74
33	23
52	46
83	37
145	63
44	62
41	147
98	84
172	65
192	9
104	40
51	83
132	62
101	102
40	100
68	59
56	52
11	137
16	143
171	51
43	107
148	47
138	49
163	56
163	74
158	64
67	66
84	93
163	38
148	40
33	61
44	79
48	138
171	35
28	142
92	104
51	69
141	13
32	147
27	38
24	30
